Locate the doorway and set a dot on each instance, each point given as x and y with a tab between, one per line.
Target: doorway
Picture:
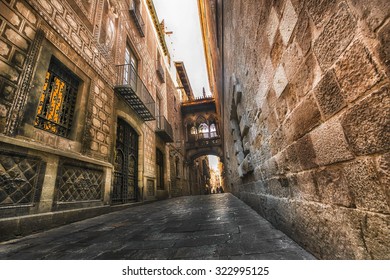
126	164
160	169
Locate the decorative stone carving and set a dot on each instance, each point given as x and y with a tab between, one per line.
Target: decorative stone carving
17	109
76	183
78	32
108	27
20	176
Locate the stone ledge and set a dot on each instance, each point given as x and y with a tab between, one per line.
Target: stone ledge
38	147
16	227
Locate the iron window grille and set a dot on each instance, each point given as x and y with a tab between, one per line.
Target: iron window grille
56	105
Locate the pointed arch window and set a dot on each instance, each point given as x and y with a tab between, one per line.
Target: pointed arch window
213	130
194	131
203	130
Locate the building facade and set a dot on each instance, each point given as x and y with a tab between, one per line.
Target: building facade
84	121
200	176
305	107
178	164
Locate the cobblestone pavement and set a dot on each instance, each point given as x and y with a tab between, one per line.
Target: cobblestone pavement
216	226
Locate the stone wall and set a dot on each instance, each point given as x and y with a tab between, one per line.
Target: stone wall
307	96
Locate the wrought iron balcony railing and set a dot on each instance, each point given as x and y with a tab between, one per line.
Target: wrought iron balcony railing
164	129
130	86
135	13
160	72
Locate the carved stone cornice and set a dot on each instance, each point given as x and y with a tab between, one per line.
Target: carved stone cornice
159	27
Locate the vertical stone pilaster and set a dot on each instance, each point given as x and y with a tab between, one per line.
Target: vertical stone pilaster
49	185
107	185
17	109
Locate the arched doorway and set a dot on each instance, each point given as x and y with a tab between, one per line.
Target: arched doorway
206	175
126	164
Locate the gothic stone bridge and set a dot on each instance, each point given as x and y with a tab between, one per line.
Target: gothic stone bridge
201	128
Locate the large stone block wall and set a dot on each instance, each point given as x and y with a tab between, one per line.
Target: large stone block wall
17	32
309	82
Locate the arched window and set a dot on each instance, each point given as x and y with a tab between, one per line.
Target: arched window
194	131
213	131
203	130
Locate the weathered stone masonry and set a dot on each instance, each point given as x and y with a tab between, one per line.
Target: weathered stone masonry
46	178
314	77
42	172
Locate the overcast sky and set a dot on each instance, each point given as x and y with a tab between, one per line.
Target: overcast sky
185	44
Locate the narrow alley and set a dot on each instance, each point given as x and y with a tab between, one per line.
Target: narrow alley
197	129
216	226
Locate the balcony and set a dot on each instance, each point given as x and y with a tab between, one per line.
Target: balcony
164	129
135	13
130	86
160	72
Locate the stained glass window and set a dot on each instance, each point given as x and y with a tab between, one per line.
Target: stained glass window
58	98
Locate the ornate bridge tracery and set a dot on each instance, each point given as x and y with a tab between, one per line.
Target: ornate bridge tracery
201	125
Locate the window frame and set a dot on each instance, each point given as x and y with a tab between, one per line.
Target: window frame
131	66
203	131
160	170
51	120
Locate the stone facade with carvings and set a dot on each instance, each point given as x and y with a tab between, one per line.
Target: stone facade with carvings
73	124
306	108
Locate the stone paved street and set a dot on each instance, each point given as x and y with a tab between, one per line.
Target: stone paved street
217	226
